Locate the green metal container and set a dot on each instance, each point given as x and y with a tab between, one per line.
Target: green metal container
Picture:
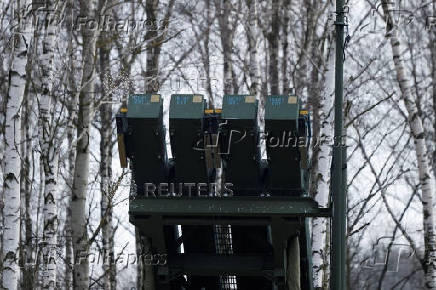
146	140
285	175
187	106
239	140
145	106
186	136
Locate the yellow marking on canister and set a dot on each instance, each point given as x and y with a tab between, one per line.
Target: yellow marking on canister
155	98
292	100
250	99
197	99
211	111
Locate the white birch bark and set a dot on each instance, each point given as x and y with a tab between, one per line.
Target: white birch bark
432	47
273	49
71	128
23	175
28	242
28	251
81	172
253	44
286	46
322	171
50	217
253	35
108	231
417	131
49	148
68	218
12	135
226	36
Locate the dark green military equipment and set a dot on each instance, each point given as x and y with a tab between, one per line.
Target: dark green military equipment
246	235
188	147
146	140
186	136
283	143
239	140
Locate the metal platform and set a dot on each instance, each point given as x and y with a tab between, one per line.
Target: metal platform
285	217
214	209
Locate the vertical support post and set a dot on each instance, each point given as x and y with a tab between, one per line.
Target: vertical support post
345	202
337	279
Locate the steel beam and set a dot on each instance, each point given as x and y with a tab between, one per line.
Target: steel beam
338	235
214	264
252	207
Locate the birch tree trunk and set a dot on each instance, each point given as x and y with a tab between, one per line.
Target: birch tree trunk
226	36
253	36
273	40
432	46
11	186
68	218
27	239
72	113
417	131
322	170
301	83
109	267
145	277
321	166
50	161
253	45
204	48
285	46
155	37
152	51
206	57
49	148
140	267
81	172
